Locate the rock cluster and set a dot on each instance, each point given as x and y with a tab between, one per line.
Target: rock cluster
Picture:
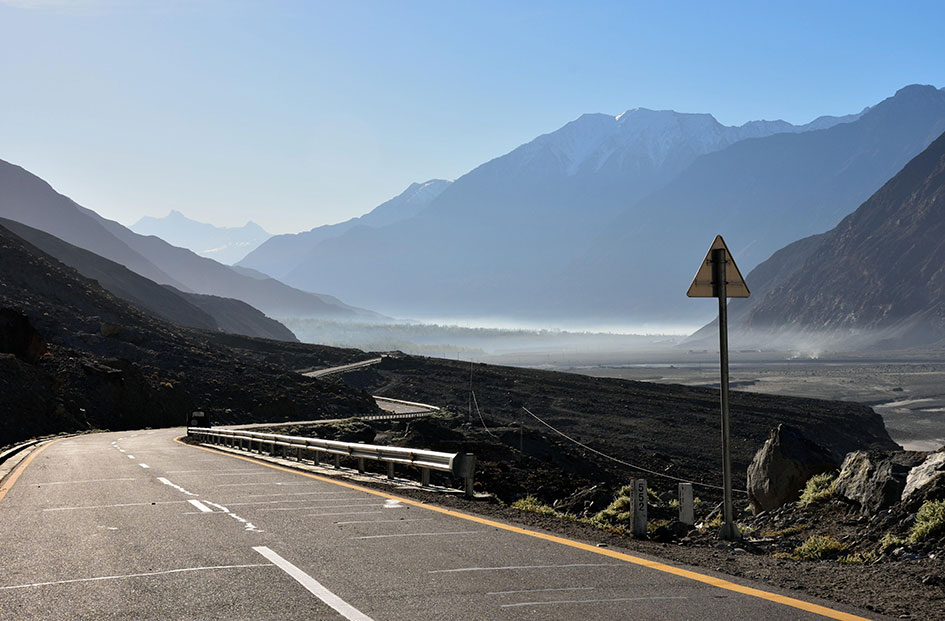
870	481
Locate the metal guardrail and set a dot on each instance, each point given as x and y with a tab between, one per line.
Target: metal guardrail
395	416
426	407
343	368
457	464
16	449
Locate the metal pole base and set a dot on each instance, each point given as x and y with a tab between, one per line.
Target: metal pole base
729	532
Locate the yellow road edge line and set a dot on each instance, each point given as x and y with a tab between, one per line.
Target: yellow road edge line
629	558
20	467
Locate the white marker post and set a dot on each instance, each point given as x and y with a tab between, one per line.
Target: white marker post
686	512
718	277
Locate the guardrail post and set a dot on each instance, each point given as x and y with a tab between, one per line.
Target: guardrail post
316	457
686	512
337	461
469	463
361	465
639	508
424	477
390	470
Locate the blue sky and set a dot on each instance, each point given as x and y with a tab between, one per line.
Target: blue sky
296	114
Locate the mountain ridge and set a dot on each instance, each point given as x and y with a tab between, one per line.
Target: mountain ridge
520	237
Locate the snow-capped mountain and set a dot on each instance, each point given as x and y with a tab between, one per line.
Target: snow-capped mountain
657	137
605	218
224	244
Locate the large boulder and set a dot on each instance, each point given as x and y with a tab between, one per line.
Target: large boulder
874	480
779	470
925	473
19	338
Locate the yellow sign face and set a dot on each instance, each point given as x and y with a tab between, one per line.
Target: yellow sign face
704	285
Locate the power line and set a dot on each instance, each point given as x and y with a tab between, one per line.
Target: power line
480	414
624	463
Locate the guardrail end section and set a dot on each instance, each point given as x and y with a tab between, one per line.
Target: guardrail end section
467	471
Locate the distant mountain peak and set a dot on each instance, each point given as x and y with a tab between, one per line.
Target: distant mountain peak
225	244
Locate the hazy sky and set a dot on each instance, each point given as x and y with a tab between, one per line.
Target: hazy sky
296	114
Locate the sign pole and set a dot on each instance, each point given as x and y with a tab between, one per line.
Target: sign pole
729	531
718	277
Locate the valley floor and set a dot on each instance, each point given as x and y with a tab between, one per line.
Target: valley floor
908	394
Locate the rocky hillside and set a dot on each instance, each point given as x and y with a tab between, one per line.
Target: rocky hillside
74	357
187	309
26	198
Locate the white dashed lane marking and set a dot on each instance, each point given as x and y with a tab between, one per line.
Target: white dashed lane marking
204	508
314	587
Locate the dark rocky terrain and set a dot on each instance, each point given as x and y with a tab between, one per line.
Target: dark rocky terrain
669	429
193	310
108	365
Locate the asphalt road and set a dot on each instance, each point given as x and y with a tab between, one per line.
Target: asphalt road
137	526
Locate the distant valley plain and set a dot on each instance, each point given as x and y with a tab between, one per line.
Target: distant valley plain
906	388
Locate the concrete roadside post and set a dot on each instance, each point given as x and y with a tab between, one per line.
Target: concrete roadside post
718	277
687	514
639	508
469	463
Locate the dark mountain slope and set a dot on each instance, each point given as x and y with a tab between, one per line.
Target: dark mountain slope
187	309
26	198
202	275
879	276
239	317
111	366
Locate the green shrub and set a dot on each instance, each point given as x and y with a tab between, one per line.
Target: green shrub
819	547
929	520
818	487
787	532
532	504
620	510
860	558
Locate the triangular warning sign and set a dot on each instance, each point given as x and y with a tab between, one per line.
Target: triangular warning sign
704	285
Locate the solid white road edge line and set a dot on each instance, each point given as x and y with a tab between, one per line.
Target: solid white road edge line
115	506
150	573
516	567
314	587
83	481
591	601
457	532
541	590
384	521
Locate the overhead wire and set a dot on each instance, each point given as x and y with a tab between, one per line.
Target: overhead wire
624	463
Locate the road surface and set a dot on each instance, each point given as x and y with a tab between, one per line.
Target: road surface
137	526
